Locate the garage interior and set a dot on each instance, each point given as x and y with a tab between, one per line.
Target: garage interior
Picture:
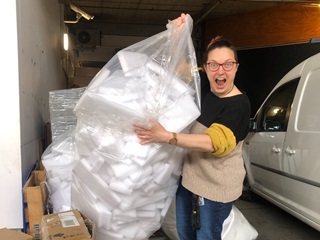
272	37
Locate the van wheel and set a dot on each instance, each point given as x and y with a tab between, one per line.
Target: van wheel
247	194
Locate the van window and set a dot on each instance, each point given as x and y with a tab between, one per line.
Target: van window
274	114
308	111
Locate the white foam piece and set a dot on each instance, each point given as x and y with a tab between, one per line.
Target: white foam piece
60	198
121	186
163	173
124	215
98	79
184	113
148	207
122	170
131	62
142	234
131	137
102	234
96	184
127	200
128	230
112	145
158	154
177	83
146	214
164	210
104	216
147	200
97	161
136	150
141	177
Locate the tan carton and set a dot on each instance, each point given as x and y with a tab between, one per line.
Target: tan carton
7	234
69	225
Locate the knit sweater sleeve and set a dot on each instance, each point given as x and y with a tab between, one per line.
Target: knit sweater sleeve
222	138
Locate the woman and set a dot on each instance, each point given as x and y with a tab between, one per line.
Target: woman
213	173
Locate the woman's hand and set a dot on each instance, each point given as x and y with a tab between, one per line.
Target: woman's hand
156	133
180	20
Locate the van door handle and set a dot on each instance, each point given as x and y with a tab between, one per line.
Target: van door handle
289	151
276	150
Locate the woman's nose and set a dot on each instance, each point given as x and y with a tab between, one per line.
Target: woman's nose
220	69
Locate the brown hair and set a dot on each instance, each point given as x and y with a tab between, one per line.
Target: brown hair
219	42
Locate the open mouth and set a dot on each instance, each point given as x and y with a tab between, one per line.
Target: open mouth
220	81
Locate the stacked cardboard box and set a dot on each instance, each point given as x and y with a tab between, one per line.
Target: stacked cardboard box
35	197
7	234
71	225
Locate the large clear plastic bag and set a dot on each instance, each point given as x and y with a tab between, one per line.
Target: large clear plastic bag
126	188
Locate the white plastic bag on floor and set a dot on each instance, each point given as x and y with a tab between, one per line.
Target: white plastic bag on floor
235	227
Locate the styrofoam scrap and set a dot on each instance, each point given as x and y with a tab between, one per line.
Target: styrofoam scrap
106	173
177	83
163	173
147	200
131	62
60	198
102	234
148	207
186	109
125	111
130	230
121	186
96	162
156	155
131	137
114	147
138	177
150	188
98	79
104	216
122	170
92	196
127	200
145	214
164	210
124	215
149	225
96	211
54	182
83	192
160	204
96	184
136	149
142	234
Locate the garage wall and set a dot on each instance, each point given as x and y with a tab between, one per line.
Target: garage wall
268	27
31	67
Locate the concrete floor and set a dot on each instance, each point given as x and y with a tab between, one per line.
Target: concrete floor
271	222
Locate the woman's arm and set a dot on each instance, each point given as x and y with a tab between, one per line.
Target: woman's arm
157	133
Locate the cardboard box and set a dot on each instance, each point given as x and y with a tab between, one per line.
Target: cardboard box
7	234
71	225
35	196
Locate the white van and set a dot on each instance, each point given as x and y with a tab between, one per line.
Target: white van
282	150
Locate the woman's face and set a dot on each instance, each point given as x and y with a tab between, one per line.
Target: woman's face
221	80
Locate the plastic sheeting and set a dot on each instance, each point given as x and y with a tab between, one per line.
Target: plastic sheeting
62	117
124	187
235	227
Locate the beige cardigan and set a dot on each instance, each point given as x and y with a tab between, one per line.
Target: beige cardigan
218	179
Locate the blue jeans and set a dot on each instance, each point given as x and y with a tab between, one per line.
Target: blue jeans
212	216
